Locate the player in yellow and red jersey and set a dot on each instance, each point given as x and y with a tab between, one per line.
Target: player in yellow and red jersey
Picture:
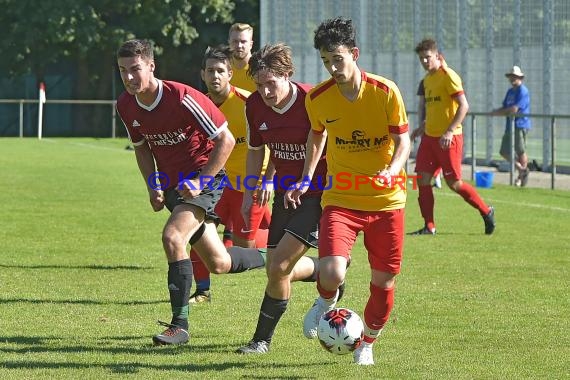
362	119
442	138
216	73
240	39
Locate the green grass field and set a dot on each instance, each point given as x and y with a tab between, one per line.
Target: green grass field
83	281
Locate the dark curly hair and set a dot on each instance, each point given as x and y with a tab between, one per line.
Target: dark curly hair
333	33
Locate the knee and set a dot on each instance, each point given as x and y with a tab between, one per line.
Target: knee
332	274
277	270
172	240
454	184
424	179
217	268
335	278
383	280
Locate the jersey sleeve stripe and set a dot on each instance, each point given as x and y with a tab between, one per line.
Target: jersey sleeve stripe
322	89
239	93
205	121
458	93
378	84
398	129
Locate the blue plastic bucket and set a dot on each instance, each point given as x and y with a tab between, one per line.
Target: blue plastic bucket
484	179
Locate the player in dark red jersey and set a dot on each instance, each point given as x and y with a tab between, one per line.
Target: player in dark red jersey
181	143
277	119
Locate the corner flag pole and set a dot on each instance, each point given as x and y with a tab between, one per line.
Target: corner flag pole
42	100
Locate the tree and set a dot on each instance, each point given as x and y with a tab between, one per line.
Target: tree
40	36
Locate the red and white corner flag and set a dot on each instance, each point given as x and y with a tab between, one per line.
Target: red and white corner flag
42	92
42	100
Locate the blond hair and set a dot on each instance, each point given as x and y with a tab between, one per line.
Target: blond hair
240	27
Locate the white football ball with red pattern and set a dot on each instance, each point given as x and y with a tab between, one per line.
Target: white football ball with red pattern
340	331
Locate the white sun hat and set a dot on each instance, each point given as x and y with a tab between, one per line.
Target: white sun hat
516	71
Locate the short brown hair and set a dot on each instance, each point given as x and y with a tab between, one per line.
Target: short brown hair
135	48
276	58
427	44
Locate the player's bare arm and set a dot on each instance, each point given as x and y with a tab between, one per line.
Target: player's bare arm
253	166
402	147
447	137
420	130
505	111
315	144
223	144
264	194
145	162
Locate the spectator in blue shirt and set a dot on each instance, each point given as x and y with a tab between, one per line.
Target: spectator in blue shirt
517	100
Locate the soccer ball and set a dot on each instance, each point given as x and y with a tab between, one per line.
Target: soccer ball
340	331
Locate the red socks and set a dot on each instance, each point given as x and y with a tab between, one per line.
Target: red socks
261	238
426	201
325	293
198	267
378	308
471	196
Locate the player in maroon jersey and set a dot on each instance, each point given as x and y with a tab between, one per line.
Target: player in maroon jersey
276	118
181	143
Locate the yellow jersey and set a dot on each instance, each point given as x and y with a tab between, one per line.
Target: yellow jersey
240	79
440	90
359	143
233	109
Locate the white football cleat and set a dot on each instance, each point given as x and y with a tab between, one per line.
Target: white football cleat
311	321
437	181
363	354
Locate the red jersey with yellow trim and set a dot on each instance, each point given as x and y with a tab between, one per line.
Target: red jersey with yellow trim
284	131
234	110
178	128
440	90
359	143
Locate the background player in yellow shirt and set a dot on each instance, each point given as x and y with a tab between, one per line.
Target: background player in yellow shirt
442	140
362	120
216	73
241	42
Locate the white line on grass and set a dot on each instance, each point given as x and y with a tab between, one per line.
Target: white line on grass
91	146
101	147
518	203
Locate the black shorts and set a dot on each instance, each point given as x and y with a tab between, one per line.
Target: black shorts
302	222
207	199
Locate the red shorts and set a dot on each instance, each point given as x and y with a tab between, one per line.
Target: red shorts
229	211
431	156
383	235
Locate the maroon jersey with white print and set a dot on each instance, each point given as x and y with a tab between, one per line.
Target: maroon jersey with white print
178	127
285	133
